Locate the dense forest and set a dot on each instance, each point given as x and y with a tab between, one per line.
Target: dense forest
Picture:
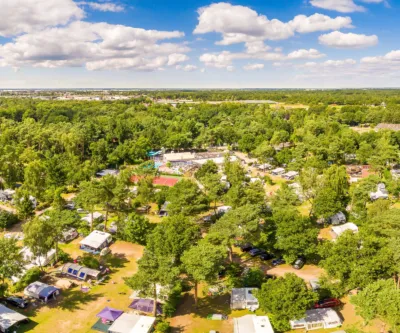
49	148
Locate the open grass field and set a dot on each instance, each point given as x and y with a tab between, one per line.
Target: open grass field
75	311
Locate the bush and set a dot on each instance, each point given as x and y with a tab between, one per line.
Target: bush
254	278
173	301
63	257
89	261
162	327
7	219
32	275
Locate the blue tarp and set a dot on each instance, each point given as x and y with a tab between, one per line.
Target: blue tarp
46	292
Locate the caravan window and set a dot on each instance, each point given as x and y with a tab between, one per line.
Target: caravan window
70	270
75	272
82	275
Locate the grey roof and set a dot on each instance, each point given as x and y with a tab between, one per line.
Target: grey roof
9	317
129	323
79	269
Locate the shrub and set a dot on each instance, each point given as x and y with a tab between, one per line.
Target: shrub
162	327
89	261
254	278
32	275
7	219
63	257
173	301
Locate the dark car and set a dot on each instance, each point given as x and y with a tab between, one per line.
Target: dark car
18	302
327	303
299	263
256	252
267	256
277	262
246	247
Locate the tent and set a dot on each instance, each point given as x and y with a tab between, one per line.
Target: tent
109	314
96	241
41	291
80	272
145	305
129	323
9	318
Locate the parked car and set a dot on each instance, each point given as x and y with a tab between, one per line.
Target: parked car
266	256
327	303
246	247
16	301
256	252
277	262
299	263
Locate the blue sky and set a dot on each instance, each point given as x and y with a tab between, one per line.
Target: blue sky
199	44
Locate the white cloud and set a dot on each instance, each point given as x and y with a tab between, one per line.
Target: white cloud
347	41
319	22
252	67
230	69
240	24
176	58
21	16
392	57
104	7
187	68
306	54
94	45
343	6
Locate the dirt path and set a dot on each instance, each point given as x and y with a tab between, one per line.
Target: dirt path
307	273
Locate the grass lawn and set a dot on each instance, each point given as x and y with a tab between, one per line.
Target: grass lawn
75	311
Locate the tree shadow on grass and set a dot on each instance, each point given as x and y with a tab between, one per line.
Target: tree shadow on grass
219	304
117	260
76	299
178	329
22	328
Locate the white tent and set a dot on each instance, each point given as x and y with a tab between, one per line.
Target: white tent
132	323
8	318
340	229
96	241
96	216
252	324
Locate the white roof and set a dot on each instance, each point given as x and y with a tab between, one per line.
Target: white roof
9	317
243	294
338	230
252	324
96	239
131	323
88	217
224	209
291	174
327	315
278	170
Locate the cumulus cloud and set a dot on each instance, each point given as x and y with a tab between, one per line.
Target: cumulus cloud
104	7
94	45
187	68
338	39
392	57
240	24
22	16
343	6
176	58
306	54
252	67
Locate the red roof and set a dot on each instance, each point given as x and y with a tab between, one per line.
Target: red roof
159	181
